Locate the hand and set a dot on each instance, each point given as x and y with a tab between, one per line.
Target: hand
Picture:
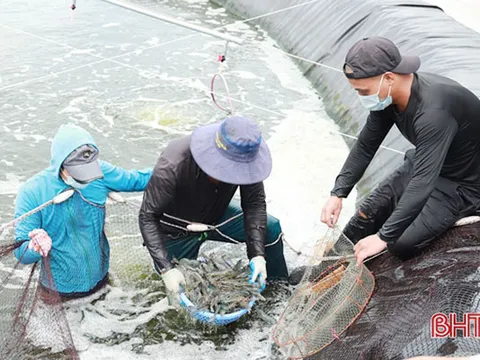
259	271
40	242
331	211
369	246
173	279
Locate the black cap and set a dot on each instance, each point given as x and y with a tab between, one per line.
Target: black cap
373	56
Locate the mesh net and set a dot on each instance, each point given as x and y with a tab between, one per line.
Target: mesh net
33	323
38	319
322	320
34	297
332	294
396	324
128	256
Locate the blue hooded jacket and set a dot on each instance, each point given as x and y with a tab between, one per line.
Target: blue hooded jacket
79	257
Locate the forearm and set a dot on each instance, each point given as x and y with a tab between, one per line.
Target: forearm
352	170
372	135
155	240
256	231
255	218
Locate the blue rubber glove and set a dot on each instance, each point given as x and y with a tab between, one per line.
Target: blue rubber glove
259	271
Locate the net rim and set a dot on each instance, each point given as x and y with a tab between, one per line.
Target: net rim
364	271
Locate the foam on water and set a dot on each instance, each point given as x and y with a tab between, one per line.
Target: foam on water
12	183
111	25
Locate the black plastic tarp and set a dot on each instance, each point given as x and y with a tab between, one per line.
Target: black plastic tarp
324	30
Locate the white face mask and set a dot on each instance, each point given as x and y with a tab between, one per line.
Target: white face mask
373	102
72	182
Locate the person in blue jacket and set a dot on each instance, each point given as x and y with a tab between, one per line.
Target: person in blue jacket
72	232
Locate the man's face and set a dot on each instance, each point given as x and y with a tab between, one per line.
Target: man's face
373	85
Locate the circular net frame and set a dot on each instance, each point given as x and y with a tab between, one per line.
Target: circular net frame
331	295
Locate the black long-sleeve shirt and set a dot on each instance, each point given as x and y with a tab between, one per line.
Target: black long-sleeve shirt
442	121
178	187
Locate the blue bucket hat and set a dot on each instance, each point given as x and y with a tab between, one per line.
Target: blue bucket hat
232	151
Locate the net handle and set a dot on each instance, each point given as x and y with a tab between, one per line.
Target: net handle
56	200
351	257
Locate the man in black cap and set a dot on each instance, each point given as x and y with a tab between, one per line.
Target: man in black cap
439	181
189	200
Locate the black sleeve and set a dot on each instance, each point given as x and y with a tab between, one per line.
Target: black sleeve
435	131
362	153
254	209
158	194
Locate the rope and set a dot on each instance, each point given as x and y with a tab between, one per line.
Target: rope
212	93
110	59
467	221
356	138
103	59
63	196
202	228
307	60
197	227
251	105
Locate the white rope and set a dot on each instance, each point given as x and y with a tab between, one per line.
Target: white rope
307	60
467	221
202	228
63	196
277	11
111	59
65	46
115	197
251	105
103	59
356	138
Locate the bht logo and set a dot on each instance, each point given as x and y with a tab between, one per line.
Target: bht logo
448	325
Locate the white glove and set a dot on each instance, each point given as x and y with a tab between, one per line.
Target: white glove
40	242
172	279
259	271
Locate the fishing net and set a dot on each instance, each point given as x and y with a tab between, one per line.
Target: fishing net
34	321
130	262
323	319
331	295
396	324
